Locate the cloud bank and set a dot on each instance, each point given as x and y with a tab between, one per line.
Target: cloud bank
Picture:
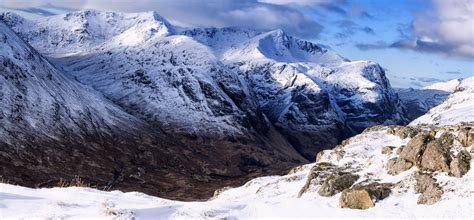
255	14
448	31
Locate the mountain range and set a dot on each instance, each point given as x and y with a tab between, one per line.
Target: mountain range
131	102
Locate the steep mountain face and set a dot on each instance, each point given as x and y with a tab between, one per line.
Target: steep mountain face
312	95
420	101
208	83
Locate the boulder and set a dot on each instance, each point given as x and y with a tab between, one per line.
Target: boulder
460	164
364	196
429	189
355	199
336	183
398	165
413	151
435	157
317	174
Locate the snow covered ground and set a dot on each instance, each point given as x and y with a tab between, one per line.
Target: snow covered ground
265	197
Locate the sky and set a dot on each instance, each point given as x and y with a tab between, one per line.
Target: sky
418	42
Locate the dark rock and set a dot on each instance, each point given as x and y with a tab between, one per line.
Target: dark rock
403	131
317	174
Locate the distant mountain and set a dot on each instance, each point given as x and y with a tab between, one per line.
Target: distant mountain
417	102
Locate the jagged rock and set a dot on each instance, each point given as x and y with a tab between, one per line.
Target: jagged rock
429	189
436	157
355	199
363	196
317	174
413	151
336	183
398	165
403	131
387	149
466	136
460	164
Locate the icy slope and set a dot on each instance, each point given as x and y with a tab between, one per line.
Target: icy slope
52	128
458	107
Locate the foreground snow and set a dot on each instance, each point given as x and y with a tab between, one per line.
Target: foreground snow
265	197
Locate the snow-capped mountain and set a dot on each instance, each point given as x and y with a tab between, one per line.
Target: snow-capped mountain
310	93
47	116
419	101
216	81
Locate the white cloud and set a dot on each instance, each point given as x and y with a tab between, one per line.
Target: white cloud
448	29
201	13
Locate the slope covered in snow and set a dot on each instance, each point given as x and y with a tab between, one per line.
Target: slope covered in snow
298	194
458	107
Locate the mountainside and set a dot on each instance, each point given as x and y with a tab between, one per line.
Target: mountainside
216	80
312	95
417	171
457	108
47	117
209	107
420	101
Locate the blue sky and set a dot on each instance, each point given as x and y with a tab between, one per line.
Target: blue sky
378	24
418	42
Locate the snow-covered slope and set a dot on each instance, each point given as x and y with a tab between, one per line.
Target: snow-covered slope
458	107
364	156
